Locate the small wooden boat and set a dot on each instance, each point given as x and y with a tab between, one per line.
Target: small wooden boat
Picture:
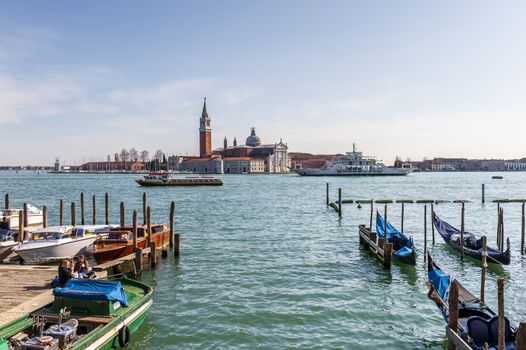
497	177
164	179
403	247
119	242
477	323
472	245
378	247
85	314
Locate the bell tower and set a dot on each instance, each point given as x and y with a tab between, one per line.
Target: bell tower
205	133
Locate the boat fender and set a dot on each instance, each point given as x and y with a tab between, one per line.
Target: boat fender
124	336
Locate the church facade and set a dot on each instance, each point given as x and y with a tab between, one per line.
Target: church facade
252	157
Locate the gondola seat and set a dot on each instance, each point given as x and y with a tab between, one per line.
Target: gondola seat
478	330
493	325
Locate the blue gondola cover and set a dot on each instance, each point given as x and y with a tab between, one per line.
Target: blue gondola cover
441	282
391	231
93	290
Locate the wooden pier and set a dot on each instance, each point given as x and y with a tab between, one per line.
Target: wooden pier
381	250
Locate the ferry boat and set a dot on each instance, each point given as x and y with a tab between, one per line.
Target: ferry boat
164	179
354	164
84	315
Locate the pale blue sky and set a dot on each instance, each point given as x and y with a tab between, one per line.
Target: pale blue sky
81	80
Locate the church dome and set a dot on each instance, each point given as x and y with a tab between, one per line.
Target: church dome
253	140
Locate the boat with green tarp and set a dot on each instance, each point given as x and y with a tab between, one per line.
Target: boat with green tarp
85	314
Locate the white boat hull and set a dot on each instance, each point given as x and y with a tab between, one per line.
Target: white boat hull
335	172
48	251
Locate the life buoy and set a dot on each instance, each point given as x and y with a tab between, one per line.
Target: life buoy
124	336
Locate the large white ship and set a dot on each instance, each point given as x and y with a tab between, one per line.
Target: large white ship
354	164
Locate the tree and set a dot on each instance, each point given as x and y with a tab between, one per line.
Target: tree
125	155
145	155
116	157
134	155
159	155
108	158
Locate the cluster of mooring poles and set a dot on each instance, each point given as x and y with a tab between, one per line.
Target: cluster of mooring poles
174	242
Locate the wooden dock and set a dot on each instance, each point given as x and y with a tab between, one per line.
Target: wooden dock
24	289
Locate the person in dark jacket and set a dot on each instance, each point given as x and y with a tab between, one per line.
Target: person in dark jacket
65	271
4	224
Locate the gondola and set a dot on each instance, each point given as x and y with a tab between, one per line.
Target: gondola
477	323
403	247
472	245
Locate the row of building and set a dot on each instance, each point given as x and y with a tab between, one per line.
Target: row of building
465	164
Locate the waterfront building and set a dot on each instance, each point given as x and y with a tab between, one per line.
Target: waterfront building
515	165
274	156
111	166
203	165
242	165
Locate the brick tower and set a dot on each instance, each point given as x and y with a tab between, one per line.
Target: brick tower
205	134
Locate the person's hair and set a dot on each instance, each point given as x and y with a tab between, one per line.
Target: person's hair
64	262
77	265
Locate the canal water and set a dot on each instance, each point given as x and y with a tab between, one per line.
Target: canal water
265	264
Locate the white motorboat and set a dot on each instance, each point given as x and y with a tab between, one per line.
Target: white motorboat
34	216
353	164
58	242
7	242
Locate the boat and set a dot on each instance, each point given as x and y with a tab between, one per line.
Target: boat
472	245
164	179
354	164
477	323
378	247
34	216
497	177
403	247
55	243
119	242
8	239
85	314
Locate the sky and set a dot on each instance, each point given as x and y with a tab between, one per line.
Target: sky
81	80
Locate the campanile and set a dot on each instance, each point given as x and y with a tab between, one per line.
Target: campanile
205	133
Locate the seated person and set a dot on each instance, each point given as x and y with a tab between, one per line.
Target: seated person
82	268
65	271
4	224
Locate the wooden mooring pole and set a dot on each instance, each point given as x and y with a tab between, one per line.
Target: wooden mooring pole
371	218
402	223
21	226
339	203
82	216
44	217
61	212
484	265
385	225
26	219
94	206
483	194
502	240
462	232
107	208
121	216
151	243
523	223
144	206
177	242
432	225
6	203
425	232
73	218
500	284
453	312
137	251
327	194
172	216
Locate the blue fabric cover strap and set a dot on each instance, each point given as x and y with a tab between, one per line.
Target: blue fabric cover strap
93	290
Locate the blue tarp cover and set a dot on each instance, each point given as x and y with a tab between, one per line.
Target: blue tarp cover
404	251
93	290
441	282
391	231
